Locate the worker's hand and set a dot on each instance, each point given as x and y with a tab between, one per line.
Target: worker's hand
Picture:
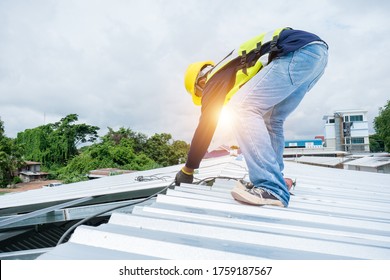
181	177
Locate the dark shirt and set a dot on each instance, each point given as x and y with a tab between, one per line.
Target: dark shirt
219	85
290	40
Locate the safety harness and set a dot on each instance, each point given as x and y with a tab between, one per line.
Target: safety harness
253	58
248	50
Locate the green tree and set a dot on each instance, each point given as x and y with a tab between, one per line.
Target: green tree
10	158
376	144
128	150
166	151
138	140
158	147
56	143
180	151
2	135
115	151
382	125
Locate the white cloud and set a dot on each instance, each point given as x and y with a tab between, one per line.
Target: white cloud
121	63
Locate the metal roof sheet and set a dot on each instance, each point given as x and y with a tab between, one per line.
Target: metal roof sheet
324	161
333	214
370	161
106	189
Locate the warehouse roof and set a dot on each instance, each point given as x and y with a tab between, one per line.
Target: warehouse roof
333	214
321	161
370	161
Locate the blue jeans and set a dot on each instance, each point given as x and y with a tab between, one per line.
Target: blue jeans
262	105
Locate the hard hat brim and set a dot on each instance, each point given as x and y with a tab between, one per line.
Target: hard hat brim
191	76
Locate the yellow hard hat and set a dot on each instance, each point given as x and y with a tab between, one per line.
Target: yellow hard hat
191	77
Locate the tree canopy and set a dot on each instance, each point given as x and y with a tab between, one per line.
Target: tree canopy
382	125
56	143
10	158
127	150
56	147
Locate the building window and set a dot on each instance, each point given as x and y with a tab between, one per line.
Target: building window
331	121
357	140
356	118
346	118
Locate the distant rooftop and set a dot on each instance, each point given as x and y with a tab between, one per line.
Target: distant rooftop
370	161
321	161
31	162
103	172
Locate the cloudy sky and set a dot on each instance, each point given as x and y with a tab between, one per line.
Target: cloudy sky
121	63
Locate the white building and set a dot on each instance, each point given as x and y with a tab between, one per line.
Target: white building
347	130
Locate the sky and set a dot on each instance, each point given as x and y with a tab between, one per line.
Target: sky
121	63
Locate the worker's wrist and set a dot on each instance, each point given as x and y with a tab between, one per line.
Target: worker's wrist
187	171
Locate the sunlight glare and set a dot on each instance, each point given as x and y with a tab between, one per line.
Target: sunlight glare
225	118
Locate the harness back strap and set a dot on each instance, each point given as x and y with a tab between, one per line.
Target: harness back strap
272	39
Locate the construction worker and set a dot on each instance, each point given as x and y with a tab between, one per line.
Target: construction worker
262	86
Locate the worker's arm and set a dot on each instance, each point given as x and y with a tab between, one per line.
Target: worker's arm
213	99
204	133
201	140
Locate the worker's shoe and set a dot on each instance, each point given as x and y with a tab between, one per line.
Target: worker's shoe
255	196
242	184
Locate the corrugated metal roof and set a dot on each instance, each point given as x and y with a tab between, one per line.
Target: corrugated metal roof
295	152
370	161
334	214
106	189
322	161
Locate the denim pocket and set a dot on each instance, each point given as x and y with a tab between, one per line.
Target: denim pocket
303	63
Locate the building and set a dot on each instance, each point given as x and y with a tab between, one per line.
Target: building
311	143
310	147
104	172
31	171
347	130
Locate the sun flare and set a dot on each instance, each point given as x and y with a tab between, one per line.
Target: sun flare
226	118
